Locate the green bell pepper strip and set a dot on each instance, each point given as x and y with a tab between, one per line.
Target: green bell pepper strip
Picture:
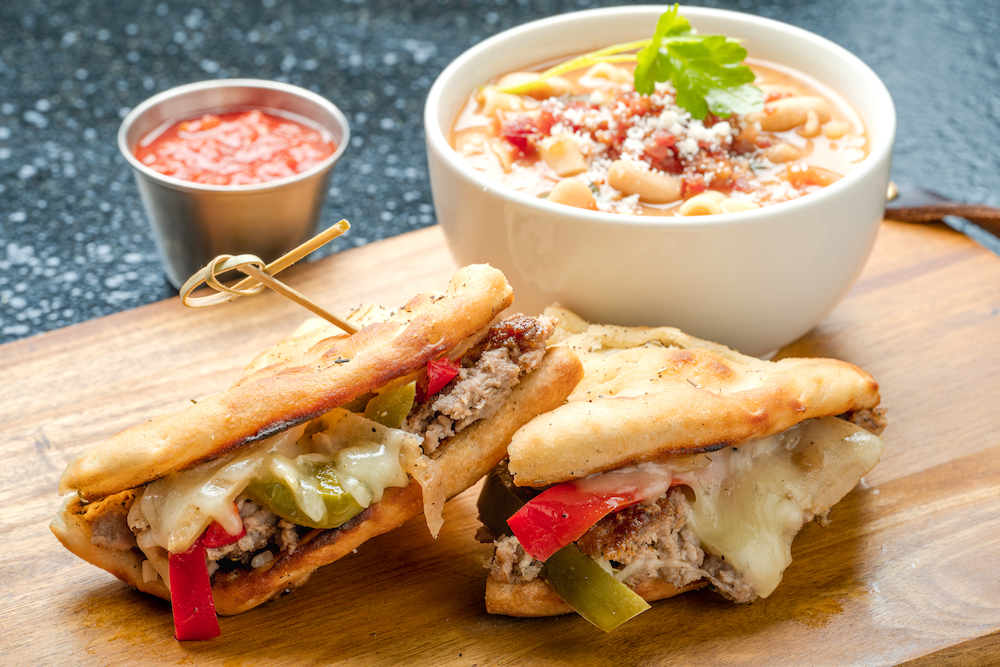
499	500
582	584
392	407
275	495
590	589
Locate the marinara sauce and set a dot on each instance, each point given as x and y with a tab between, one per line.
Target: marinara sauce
235	148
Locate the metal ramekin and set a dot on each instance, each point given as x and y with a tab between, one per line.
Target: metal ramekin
194	223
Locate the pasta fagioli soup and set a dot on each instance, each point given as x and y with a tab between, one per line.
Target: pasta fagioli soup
587	139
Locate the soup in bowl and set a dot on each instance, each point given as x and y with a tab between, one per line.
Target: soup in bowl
588	139
761	228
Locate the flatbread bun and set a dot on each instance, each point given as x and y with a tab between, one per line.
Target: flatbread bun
463	459
652	393
535	598
305	377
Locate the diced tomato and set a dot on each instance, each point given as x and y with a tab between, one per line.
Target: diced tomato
638	105
662	138
561	514
520	142
545	122
740	184
692	185
518	132
660	147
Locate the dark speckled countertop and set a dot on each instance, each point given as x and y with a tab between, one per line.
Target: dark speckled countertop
75	242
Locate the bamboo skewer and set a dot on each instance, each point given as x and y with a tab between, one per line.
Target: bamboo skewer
260	276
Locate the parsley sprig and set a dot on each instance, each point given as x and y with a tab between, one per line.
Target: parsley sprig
706	71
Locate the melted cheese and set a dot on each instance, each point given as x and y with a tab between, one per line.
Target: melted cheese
752	500
172	512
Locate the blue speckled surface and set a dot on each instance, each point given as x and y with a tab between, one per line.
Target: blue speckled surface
74	240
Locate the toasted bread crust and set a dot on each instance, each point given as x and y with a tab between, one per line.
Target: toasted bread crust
648	394
293	388
535	598
463	459
73	527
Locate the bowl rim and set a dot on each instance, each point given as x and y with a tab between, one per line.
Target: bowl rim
881	148
184	89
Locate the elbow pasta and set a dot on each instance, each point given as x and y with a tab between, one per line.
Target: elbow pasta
493	100
788	113
586	139
609	72
713	202
561	153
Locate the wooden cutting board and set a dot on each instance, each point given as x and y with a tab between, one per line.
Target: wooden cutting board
909	570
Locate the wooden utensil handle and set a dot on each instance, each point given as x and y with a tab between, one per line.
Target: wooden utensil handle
986	217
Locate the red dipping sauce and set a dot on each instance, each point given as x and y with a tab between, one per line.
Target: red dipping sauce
235	148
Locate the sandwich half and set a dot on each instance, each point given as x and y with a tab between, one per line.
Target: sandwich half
326	440
676	463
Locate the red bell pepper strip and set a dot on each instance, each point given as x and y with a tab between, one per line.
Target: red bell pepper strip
561	515
216	536
191	588
439	373
191	595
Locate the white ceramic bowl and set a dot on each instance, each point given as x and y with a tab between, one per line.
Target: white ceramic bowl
753	280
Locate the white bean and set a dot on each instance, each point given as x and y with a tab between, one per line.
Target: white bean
780	153
789	112
654	187
573	192
835	129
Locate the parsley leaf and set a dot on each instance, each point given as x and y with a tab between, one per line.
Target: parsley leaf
705	70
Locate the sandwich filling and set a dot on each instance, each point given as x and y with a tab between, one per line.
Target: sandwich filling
272	495
727	517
